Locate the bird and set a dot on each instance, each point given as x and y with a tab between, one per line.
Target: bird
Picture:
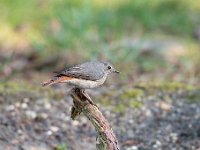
87	75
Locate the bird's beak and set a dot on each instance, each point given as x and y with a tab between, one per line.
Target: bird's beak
116	71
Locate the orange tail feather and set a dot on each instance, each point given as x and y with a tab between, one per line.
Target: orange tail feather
56	80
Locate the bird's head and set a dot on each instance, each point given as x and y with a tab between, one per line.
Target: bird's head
108	68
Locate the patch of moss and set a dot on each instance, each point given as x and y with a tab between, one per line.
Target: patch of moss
13	87
135	103
120	108
130	103
1	88
131	94
20	88
105	98
171	86
168	86
61	147
130	98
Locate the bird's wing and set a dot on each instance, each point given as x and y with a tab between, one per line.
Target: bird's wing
83	72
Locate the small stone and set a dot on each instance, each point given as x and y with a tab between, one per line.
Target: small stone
10	108
19	131
47	105
174	137
24	105
54	128
49	132
132	148
14	141
17	104
67	118
43	115
148	113
131	121
164	106
31	114
75	123
157	144
26	100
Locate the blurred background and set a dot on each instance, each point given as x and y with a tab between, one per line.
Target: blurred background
154	43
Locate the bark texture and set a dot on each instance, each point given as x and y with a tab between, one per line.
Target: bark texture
106	139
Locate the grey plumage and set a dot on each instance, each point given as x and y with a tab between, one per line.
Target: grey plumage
92	70
87	75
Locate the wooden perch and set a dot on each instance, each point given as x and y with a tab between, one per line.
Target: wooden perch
106	139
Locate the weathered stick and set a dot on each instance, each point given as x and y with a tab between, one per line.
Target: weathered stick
106	139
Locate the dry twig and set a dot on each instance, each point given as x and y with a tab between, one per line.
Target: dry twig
106	139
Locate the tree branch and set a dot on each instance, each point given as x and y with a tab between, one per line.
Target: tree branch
106	139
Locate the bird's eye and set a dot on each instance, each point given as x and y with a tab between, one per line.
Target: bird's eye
109	67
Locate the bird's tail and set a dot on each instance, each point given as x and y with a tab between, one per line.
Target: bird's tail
59	79
50	82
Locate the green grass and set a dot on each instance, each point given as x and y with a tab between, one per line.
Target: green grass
90	26
109	20
61	147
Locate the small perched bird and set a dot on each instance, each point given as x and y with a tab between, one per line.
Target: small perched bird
84	76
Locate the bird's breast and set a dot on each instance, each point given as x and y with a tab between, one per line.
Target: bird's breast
87	84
